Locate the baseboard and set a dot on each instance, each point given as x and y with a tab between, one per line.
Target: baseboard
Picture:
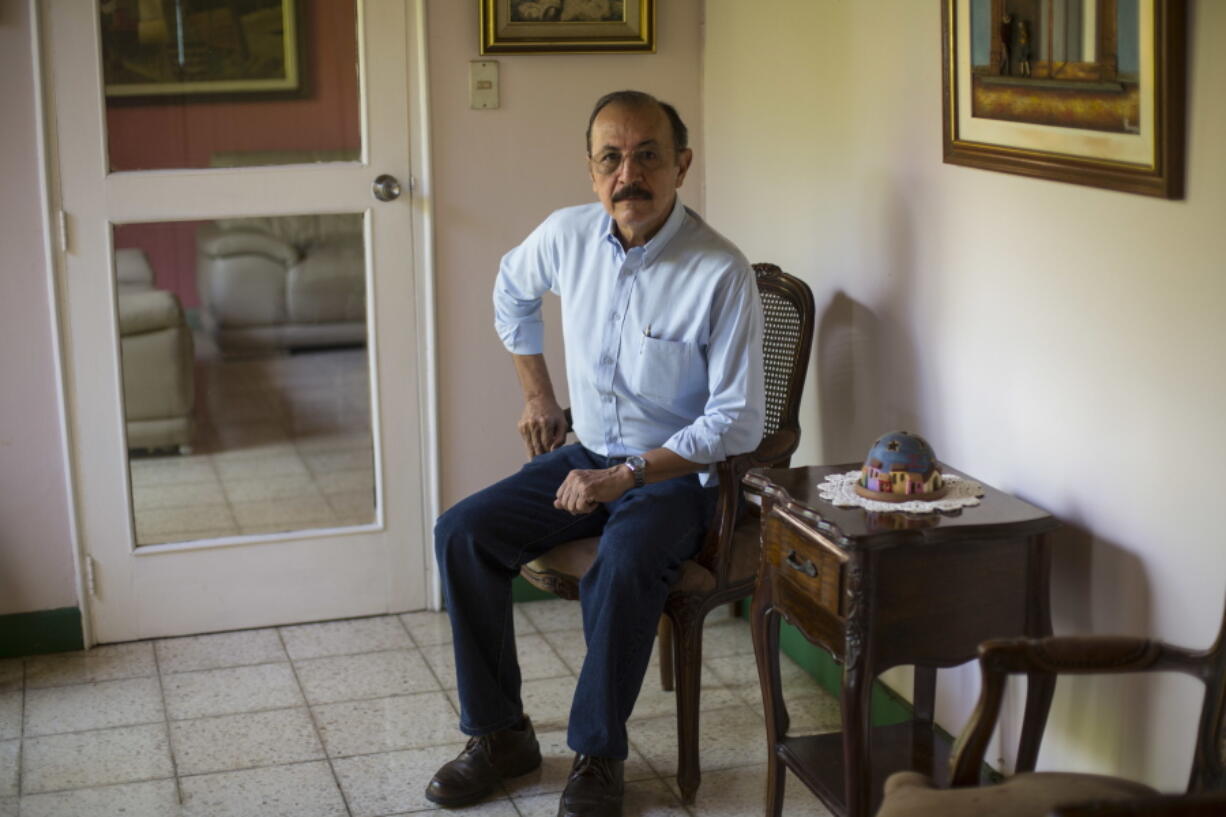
40	632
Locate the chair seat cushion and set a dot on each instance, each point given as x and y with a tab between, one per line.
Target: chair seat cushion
1029	794
569	561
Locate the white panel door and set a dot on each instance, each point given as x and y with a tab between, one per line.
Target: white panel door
302	490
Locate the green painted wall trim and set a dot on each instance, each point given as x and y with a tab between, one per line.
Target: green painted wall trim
40	632
522	591
887	706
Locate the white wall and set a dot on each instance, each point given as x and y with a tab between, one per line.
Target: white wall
35	555
498	173
1060	342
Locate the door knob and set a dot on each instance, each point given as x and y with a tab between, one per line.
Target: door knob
386	188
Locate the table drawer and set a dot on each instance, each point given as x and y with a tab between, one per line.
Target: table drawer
805	564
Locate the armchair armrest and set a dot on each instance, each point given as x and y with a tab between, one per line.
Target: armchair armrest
1071	655
1055	655
148	311
218	243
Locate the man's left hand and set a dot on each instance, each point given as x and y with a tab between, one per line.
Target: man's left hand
583	490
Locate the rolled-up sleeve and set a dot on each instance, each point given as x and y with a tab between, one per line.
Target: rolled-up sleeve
734	416
524	276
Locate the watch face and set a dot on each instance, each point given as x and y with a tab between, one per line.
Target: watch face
636	463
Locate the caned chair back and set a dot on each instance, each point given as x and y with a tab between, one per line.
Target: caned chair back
787	307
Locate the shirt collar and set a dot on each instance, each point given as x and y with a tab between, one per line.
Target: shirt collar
657	243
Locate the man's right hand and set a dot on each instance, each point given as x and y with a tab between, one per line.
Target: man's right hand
542	425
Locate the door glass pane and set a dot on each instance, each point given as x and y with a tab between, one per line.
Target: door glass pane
191	82
245	375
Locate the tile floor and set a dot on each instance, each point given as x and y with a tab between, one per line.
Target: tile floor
349	719
294	428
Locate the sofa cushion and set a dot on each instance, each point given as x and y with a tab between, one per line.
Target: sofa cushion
217	243
328	285
303	232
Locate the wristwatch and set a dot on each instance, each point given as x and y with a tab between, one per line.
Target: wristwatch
638	467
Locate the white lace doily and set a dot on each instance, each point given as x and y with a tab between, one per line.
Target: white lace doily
837	488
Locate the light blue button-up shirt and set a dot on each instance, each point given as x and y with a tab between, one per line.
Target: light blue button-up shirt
663	342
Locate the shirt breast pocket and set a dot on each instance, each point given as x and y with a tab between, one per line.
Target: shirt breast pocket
669	372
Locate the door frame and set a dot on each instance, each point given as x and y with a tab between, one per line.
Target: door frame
56	235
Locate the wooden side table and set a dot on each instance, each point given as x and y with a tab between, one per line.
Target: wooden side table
882	590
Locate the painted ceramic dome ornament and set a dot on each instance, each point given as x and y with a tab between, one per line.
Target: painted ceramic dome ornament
901	467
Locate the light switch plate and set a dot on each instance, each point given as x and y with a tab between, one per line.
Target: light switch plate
483	84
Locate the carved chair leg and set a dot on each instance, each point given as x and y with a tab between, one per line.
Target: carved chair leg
665	636
687	657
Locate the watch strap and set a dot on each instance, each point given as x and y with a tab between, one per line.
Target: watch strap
640	479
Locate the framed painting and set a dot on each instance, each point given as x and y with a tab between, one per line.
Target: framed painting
567	26
154	50
1081	91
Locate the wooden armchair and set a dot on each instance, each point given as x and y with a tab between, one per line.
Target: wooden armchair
1038	794
726	566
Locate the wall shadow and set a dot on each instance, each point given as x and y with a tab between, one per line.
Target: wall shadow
850	354
867	366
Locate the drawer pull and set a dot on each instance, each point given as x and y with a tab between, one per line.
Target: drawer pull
806	567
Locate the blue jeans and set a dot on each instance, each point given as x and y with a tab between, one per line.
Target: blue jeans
481	543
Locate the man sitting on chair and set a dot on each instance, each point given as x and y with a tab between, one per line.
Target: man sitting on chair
663	334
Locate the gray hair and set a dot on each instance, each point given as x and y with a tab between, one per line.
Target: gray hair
639	99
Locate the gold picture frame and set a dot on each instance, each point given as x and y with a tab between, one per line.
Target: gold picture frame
1096	99
201	49
568	26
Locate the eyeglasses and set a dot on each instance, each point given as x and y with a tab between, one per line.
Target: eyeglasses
608	162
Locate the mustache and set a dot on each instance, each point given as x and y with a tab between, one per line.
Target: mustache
632	191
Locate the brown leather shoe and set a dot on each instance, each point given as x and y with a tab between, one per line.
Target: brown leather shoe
485	761
594	788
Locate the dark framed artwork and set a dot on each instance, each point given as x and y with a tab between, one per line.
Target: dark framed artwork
158	50
1081	91
567	26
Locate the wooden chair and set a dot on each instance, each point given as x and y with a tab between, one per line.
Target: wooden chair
725	567
909	794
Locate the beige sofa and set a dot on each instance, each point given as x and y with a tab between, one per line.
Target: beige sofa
158	358
282	282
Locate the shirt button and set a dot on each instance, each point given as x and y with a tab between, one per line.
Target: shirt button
606	360
614	316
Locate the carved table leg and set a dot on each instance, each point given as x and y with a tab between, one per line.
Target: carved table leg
857	694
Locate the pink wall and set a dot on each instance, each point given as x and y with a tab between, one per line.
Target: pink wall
160	136
497	174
